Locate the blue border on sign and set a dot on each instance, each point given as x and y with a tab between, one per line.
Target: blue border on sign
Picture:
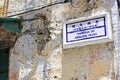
86	29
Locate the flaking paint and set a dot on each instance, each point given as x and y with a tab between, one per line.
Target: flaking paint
94	62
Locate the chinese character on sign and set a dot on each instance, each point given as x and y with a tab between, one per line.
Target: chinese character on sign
87	30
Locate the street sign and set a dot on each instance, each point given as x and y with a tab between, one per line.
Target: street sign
86	31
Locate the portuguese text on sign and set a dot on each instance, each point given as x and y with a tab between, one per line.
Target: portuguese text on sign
86	31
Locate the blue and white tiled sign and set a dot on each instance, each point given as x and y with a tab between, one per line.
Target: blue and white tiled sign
87	30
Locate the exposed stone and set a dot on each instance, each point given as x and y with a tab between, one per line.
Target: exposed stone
7	38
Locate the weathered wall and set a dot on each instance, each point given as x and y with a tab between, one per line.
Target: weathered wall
19	6
94	62
1	7
26	46
116	28
7	38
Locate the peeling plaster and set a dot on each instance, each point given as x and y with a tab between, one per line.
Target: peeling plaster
94	62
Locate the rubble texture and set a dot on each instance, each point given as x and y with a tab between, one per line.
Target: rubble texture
7	38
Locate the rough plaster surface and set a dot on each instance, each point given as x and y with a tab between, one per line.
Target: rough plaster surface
28	40
26	63
28	5
1	3
116	29
1	7
27	53
94	62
